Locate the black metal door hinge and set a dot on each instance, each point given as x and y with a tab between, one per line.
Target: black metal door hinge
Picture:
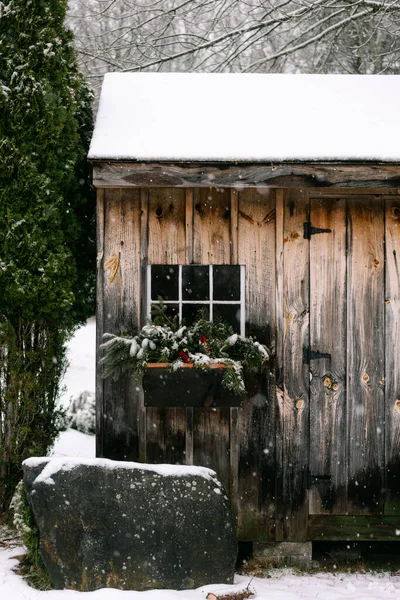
309	230
309	355
309	480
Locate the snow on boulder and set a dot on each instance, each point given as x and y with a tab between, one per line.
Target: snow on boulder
130	526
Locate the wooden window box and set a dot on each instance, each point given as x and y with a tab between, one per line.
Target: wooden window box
186	387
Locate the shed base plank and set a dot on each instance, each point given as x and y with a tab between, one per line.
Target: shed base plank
359	528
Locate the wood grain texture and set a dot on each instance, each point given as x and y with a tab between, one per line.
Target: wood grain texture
166	226
189	208
234	242
144	244
165	435
100	233
358	528
328	449
166	427
212	227
353	192
280	175
256	477
234	412
211	245
279	361
392	366
365	352
211	442
293	399
121	305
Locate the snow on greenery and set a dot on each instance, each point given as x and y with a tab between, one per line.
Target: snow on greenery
81	413
165	341
46	210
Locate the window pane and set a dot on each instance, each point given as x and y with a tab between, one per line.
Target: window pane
195	283
191	312
229	313
226	282
164	282
171	312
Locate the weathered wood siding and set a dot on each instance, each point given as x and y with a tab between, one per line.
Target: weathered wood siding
318	436
328	331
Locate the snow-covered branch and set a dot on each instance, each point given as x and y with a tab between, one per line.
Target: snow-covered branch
355	36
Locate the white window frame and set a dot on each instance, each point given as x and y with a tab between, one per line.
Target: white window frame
210	302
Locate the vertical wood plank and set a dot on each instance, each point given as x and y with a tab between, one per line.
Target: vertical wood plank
167	237
234	412
392	367
211	245
234	227
211	236
256	477
365	344
211	442
121	272
165	427
279	362
144	250
99	319
165	435
189	259
294	397
189	207
328	448
144	245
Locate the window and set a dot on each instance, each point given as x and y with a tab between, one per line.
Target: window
217	289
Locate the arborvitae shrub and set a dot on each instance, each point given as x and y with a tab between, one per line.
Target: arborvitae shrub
46	224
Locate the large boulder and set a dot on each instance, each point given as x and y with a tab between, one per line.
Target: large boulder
133	526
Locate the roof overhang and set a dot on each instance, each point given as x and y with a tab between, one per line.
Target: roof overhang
247	118
121	174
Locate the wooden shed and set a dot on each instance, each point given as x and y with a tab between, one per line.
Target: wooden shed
296	178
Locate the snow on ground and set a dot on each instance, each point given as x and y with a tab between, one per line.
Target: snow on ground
283	584
75	443
80	375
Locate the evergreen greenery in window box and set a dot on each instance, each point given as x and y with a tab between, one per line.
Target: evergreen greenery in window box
198	365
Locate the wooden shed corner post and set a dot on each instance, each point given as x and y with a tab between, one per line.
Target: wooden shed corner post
392	363
118	311
99	319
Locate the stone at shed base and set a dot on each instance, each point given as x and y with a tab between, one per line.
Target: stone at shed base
291	554
130	526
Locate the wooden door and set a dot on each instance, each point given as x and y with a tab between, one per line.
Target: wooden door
353	358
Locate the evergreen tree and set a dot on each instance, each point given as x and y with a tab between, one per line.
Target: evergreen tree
46	218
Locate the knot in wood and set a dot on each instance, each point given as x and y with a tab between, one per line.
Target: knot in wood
299	404
327	382
397	404
365	377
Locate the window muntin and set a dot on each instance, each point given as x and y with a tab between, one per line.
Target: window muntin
218	289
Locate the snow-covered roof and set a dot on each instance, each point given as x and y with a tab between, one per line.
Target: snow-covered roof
247	117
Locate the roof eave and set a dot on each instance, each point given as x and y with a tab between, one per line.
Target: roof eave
239	174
